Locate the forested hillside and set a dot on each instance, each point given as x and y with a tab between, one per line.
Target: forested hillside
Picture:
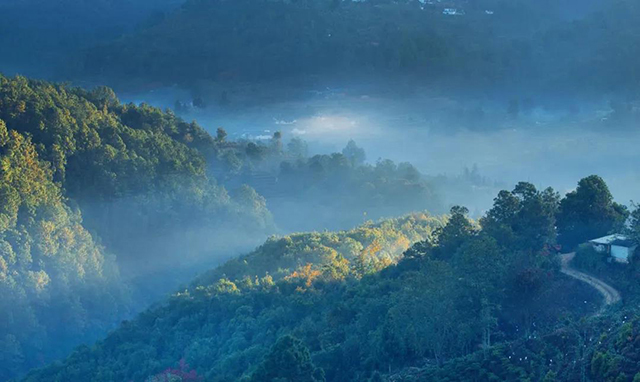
75	162
297	260
109	206
310	37
319	190
372	247
138	174
145	180
39	37
339	190
601	348
59	288
521	44
602	47
324	307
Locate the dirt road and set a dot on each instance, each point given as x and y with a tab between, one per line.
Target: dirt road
611	296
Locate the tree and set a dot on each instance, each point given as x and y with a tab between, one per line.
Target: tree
289	360
589	212
4	133
276	142
298	148
523	219
419	250
634	234
51	271
255	152
481	264
355	154
634	224
103	97
221	134
457	231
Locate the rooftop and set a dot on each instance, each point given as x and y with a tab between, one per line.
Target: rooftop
615	239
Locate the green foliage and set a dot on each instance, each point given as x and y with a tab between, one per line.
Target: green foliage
634	225
523	219
551	376
325	37
458	230
353	314
339	190
287	38
139	177
381	297
371	246
589	259
143	181
289	361
589	212
58	286
137	173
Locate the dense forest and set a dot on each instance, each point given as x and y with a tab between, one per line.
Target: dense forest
228	212
58	285
518	44
137	174
39	37
474	300
339	190
75	163
100	200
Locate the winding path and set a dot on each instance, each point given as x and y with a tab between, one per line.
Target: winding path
611	296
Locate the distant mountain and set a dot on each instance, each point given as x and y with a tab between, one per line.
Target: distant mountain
261	40
41	38
523	45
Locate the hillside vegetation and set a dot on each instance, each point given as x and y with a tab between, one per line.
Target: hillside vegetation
58	285
76	163
107	207
519	44
336	307
137	173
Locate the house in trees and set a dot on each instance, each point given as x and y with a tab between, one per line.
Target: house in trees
453	12
619	247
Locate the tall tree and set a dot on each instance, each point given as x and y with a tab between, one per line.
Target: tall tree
481	264
589	212
457	231
523	219
634	226
221	134
355	154
288	361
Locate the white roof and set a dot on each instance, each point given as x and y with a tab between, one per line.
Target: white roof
607	240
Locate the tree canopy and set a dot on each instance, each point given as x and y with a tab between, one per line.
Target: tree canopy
348	304
589	212
57	285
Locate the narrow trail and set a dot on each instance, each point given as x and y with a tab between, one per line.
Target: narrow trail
611	296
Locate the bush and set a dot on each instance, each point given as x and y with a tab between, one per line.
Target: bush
588	258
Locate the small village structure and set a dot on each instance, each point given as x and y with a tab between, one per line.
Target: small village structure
453	12
618	246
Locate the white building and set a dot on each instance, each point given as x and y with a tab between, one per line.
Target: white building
453	12
619	247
